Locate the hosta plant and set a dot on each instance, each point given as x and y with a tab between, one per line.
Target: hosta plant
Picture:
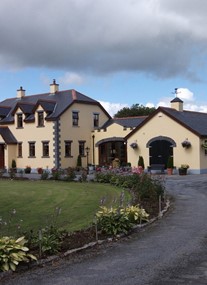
113	221
12	252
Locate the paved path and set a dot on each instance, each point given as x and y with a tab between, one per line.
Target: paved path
173	250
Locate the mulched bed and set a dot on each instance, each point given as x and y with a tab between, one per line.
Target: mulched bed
80	238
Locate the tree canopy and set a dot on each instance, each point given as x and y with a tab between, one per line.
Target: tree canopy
134	110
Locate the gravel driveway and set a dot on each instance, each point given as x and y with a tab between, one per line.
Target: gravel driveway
173	250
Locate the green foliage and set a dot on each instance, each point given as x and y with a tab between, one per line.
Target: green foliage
48	240
56	174
44	175
12	252
143	186
27	169
170	162
141	161
79	161
14	165
70	174
134	110
113	221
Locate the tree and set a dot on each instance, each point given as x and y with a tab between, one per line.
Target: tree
133	111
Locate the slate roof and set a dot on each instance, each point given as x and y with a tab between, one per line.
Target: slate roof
4	111
196	122
128	122
7	135
54	104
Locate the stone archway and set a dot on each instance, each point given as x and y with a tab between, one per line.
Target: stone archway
112	148
160	148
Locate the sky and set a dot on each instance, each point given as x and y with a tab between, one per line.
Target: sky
119	52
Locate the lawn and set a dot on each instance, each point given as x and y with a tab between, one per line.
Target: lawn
31	205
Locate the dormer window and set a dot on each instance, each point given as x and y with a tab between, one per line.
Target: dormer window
40	119
19	120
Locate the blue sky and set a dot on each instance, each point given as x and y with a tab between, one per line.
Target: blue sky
119	52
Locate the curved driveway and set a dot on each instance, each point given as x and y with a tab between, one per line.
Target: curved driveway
173	250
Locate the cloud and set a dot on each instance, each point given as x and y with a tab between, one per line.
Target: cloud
185	94
161	38
112	108
71	78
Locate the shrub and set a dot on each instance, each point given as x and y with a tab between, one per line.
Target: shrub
44	175
113	221
12	252
141	161
70	174
48	240
27	169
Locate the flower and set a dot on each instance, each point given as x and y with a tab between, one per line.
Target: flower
186	166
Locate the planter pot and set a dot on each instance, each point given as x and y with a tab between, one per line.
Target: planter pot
182	171
169	171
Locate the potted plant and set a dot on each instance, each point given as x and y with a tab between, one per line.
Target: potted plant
183	169
170	165
39	170
27	169
141	163
14	166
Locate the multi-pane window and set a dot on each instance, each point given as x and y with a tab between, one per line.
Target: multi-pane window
19	120
68	148
96	120
82	148
19	149
75	118
45	148
31	149
40	118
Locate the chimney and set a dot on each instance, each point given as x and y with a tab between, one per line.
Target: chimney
54	87
74	96
177	104
20	92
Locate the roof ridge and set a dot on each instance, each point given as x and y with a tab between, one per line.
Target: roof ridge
130	117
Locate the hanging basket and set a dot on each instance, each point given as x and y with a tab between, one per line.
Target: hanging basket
186	144
134	145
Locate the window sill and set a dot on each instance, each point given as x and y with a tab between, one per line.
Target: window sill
45	156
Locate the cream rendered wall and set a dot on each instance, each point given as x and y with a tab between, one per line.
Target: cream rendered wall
31	132
162	125
114	130
9	155
80	132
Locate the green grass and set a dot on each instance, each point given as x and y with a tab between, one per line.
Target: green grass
35	203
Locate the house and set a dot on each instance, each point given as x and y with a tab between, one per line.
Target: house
171	132
109	140
52	129
48	130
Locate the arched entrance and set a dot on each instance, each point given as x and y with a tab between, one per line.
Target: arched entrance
112	148
160	148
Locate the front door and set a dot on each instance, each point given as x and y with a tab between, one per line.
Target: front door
2	156
159	151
